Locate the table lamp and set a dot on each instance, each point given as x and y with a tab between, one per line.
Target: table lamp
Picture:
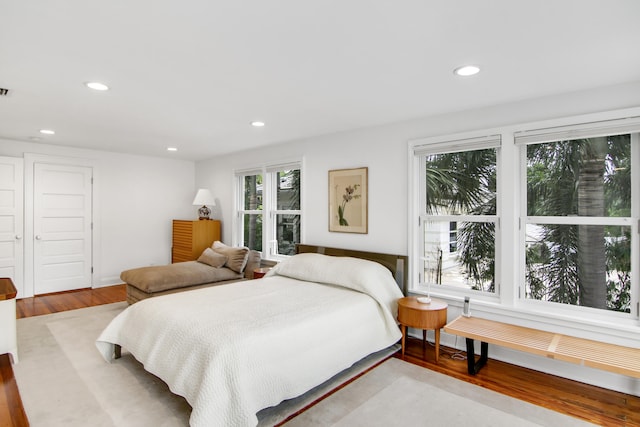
204	198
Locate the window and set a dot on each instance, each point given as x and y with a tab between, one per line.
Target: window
286	210
453	236
269	209
251	211
579	224
458	215
553	211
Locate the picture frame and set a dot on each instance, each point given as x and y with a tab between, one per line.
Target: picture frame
348	200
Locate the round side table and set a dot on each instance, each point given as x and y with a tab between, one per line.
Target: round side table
414	314
260	272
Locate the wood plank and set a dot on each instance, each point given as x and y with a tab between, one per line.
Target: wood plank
7	289
584	401
610	357
516	337
12	412
595	354
69	300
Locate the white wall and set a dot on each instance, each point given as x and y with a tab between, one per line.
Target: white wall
384	150
135	199
386	202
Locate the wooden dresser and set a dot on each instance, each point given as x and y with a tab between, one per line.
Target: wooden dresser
192	237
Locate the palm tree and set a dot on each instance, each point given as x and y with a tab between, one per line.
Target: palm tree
465	183
569	264
253	227
288	198
584	265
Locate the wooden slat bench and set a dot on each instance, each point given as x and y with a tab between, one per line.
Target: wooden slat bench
595	354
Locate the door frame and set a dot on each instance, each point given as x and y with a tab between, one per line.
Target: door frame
18	275
30	160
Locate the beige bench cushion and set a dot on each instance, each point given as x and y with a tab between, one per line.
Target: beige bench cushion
160	278
134	294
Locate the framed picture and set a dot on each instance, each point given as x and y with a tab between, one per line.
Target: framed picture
348	200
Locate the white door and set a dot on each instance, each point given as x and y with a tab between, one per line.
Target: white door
11	221
61	227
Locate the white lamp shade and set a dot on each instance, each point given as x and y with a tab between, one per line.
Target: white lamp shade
204	197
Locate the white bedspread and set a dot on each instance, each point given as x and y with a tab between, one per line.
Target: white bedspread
235	349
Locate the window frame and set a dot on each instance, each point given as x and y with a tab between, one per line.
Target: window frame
612	127
418	150
240	211
273	211
269	211
509	307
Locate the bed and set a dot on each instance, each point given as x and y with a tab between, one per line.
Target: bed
232	350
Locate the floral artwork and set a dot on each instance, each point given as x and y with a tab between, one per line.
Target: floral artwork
348	200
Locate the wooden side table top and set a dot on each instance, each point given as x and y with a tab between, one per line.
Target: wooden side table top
260	272
7	289
412	303
423	316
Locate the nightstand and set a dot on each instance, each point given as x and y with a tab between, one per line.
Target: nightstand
414	314
259	273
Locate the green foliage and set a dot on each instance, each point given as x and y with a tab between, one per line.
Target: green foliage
465	183
554	175
558	175
349	194
341	219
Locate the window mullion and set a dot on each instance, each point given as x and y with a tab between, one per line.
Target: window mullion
579	220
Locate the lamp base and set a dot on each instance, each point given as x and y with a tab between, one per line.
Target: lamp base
204	212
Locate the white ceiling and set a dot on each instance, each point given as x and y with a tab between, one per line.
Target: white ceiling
194	73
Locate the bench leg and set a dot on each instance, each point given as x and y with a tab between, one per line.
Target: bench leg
404	336
474	366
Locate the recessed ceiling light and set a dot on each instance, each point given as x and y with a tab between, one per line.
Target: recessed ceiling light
467	70
257	124
47	131
97	86
172	149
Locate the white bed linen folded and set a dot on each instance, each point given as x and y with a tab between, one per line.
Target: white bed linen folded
235	349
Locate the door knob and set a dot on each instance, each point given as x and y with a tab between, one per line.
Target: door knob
38	237
18	237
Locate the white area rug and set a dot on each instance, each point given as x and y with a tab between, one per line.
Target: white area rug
64	381
397	393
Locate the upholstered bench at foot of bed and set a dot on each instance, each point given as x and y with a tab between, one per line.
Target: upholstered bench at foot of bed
134	294
146	282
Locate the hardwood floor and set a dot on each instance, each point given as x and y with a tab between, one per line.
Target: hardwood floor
11	410
12	413
70	300
594	404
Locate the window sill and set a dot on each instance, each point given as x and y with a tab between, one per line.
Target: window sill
616	331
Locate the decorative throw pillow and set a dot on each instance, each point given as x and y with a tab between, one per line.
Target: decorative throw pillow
212	258
236	257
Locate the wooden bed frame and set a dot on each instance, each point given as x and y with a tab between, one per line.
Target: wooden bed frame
397	264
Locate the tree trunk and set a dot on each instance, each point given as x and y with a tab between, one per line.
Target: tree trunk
591	251
253	204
